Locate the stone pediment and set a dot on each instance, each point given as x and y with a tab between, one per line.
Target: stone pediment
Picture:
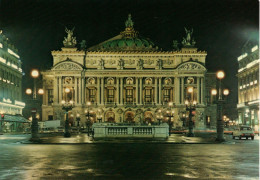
191	66
67	66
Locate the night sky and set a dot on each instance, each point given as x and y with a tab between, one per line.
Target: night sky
220	27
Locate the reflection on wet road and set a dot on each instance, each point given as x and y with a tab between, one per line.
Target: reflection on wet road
131	161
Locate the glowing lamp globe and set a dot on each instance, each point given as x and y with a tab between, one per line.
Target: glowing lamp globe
67	90
226	92
28	91
213	92
35	73
190	89
220	74
40	91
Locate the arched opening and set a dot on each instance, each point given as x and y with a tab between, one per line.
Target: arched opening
110	117
148	117
129	117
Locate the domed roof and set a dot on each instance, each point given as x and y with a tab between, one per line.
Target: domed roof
128	40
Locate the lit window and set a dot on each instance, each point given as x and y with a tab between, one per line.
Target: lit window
244	86
13	53
2	60
247	85
251	83
1	45
240	87
254	48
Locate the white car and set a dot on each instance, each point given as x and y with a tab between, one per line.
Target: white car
244	131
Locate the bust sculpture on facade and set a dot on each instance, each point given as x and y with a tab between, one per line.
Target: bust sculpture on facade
158	64
140	64
101	64
69	41
120	64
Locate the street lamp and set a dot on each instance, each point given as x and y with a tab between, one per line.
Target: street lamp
67	106
190	107
78	120
28	91
220	124
171	116
99	117
159	116
88	123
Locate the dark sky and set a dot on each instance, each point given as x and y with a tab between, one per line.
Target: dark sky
221	27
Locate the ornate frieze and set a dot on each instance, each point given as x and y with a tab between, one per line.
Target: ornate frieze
191	66
67	66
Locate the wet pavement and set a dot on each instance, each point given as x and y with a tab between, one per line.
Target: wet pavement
79	157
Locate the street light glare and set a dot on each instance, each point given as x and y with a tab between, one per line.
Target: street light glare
28	91
40	91
62	102
35	73
213	92
88	103
220	74
226	92
67	90
190	89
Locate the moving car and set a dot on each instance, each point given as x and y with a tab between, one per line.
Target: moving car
244	131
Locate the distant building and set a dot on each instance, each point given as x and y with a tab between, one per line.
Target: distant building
248	86
11	104
126	79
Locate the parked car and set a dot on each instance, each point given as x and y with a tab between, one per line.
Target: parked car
244	131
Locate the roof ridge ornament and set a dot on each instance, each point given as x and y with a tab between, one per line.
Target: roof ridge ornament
69	41
188	42
129	31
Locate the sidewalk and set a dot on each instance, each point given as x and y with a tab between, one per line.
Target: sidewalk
200	138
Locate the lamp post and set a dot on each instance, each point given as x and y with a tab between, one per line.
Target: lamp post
67	106
99	116
220	100
88	116
159	116
190	107
34	127
170	120
78	120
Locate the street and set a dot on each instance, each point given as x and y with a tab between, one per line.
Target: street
236	160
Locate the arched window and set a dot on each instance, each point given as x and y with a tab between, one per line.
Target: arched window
129	81
148	81
110	81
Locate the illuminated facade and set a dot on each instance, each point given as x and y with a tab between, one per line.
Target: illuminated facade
248	86
125	79
10	83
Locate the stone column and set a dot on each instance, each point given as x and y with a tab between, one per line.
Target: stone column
80	88
98	91
102	90
83	90
76	90
182	90
156	91
202	90
121	91
117	91
60	89
177	90
160	90
136	90
141	90
198	90
55	91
